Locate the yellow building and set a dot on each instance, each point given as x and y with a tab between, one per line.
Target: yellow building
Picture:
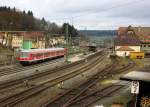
17	41
14	39
35	45
41	44
11	39
137	55
57	40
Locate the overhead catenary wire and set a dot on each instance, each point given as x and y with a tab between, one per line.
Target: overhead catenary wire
103	10
73	18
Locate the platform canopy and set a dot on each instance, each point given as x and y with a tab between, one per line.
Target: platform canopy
137	76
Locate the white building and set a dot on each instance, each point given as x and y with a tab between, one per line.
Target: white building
126	43
125	50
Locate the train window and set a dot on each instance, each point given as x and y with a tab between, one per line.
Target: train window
24	55
61	52
33	55
46	54
57	52
53	53
37	55
40	54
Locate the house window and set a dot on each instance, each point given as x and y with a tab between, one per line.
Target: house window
144	46
148	45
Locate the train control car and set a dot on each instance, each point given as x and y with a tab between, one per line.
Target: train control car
27	57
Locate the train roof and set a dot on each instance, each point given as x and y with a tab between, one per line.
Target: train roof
39	50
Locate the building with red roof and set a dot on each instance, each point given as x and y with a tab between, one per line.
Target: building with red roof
124	51
126	41
140	33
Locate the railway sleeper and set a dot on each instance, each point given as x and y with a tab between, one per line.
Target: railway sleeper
102	93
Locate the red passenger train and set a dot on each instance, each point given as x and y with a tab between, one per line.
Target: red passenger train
27	57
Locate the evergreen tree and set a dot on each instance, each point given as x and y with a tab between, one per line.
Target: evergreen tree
10	19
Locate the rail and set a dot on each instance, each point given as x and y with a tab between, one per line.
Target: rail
79	92
12	100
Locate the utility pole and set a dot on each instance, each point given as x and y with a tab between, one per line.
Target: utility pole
67	42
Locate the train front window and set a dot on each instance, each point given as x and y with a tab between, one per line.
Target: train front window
24	55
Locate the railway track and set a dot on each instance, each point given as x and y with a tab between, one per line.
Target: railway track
16	98
97	95
67	67
75	95
19	68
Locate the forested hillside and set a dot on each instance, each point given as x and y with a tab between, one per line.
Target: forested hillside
16	20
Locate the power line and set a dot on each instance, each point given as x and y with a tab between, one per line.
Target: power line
113	7
103	10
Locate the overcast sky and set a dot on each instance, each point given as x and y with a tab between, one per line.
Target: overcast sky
88	14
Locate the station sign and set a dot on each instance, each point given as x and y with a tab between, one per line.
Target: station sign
135	87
